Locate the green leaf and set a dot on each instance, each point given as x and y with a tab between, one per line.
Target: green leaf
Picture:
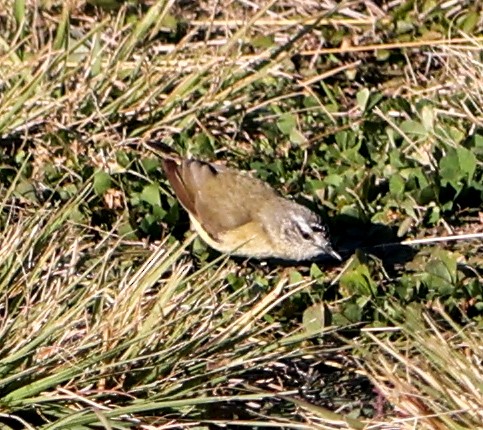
404	226
311	101
200	248
467	162
122	158
449	168
159	212
102	182
441	272
470	22
353	312
150	164
26	190
263	41
383	54
169	22
427	195
297	137
374	99
316	318
315	272
76	215
97	56
19	11
358	281
413	128
286	123
456	165
433	215
295	277
455	134
204	145
397	185
150	194
362	98
126	231
428	117
236	282
68	191
335	180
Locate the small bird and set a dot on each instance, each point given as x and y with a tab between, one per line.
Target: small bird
238	214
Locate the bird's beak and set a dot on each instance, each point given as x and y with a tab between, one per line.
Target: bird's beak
327	249
334	254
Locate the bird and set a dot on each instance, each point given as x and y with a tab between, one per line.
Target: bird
241	215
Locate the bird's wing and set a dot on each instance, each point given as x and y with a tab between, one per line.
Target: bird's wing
220	199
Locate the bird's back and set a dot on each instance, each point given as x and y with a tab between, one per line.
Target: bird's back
221	199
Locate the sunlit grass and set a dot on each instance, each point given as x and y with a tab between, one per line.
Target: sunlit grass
430	370
112	317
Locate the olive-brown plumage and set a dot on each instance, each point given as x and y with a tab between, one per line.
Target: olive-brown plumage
241	215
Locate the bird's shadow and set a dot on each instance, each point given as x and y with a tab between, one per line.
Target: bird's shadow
350	234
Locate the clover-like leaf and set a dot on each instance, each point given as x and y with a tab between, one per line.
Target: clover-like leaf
316	318
102	182
150	194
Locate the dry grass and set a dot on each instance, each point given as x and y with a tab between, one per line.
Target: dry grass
103	327
431	372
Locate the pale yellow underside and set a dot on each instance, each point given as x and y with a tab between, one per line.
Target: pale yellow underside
248	240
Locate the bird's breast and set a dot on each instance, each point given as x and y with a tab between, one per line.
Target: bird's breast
247	240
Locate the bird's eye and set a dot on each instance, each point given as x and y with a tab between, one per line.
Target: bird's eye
303	228
305	235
